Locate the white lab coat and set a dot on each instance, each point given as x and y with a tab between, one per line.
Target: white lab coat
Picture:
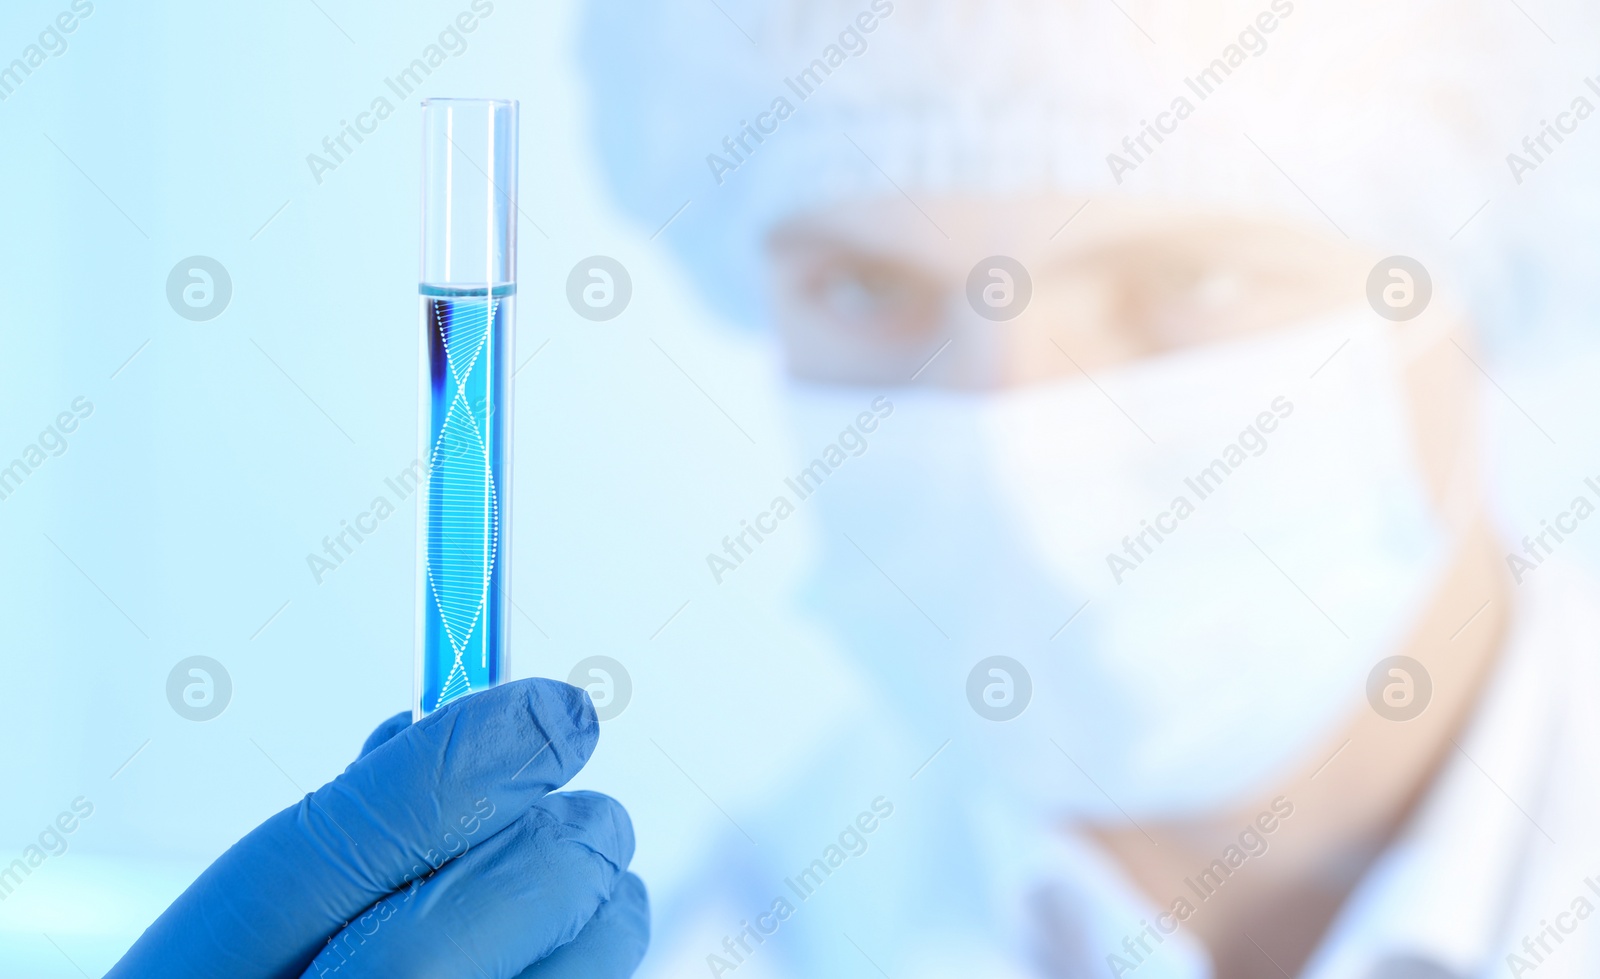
1501	847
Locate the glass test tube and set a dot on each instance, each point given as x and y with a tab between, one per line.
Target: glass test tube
467	295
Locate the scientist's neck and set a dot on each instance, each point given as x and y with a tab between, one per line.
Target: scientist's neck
1345	811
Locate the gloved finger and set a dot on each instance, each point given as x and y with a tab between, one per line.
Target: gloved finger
442	785
383	732
610	946
505	903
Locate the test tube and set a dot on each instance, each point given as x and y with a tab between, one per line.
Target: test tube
467	296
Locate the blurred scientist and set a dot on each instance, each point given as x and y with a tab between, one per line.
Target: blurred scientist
1178	483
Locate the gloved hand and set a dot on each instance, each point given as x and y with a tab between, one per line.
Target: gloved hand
440	852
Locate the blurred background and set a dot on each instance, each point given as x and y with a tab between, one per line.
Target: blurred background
219	453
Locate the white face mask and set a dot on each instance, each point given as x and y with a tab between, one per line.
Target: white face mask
1224	616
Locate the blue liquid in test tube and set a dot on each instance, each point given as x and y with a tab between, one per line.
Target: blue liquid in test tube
467	299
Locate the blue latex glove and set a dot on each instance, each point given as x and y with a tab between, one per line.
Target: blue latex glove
442	851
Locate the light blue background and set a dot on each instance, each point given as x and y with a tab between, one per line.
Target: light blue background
183	511
194	492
